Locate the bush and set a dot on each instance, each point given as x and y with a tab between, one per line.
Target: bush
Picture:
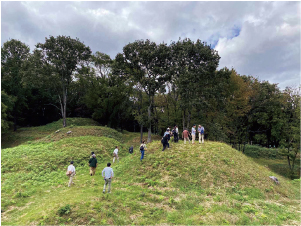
257	151
64	210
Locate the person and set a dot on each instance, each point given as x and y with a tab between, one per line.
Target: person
165	139
115	154
142	149
201	131
107	174
167	135
93	164
71	173
193	134
176	134
185	135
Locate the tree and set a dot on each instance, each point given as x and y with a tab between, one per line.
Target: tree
290	131
193	66
14	56
7	104
64	54
146	63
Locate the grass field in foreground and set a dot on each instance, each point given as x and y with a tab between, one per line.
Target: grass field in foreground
188	184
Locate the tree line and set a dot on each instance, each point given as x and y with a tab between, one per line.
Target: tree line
147	87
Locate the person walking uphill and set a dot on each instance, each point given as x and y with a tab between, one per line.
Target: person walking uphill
93	164
142	149
115	154
165	139
70	173
107	174
185	135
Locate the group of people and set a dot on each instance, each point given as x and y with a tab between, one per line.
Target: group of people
107	172
185	135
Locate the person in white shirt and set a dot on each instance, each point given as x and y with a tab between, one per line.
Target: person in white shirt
115	154
107	174
193	133
71	173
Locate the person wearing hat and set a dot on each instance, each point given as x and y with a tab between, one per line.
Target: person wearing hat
71	173
93	164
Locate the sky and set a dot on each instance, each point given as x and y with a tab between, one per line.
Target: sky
261	39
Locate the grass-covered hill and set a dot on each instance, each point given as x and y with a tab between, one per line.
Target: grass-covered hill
187	184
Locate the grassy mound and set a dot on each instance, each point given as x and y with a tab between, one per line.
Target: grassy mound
186	184
22	135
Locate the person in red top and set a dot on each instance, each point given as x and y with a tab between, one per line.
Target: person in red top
185	135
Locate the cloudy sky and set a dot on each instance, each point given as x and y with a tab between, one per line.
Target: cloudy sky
261	39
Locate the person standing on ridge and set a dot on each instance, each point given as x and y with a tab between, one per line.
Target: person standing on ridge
201	131
93	164
142	149
107	174
115	154
70	173
193	133
185	136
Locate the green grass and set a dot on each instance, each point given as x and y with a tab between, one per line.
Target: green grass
22	135
210	184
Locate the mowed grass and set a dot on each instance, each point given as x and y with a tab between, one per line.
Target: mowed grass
187	184
22	135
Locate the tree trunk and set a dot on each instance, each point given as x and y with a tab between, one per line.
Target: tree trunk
188	119
15	120
183	120
150	124
65	108
141	133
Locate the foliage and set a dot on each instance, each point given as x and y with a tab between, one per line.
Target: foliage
64	54
257	151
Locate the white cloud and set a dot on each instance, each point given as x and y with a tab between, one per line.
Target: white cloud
256	38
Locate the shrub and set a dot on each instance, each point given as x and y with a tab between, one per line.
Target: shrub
64	210
257	151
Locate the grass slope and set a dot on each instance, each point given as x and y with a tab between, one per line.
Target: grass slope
22	135
188	184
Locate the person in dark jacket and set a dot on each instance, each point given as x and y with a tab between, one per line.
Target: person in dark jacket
93	165
165	139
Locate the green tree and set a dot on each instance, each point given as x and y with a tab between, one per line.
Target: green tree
7	104
290	131
14	56
193	68
64	55
147	64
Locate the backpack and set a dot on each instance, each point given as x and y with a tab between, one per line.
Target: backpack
141	148
131	150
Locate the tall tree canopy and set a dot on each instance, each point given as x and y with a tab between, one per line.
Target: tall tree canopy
64	54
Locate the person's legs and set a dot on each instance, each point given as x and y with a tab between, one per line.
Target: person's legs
193	138
142	155
109	184
104	187
71	179
91	171
164	146
185	140
200	138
